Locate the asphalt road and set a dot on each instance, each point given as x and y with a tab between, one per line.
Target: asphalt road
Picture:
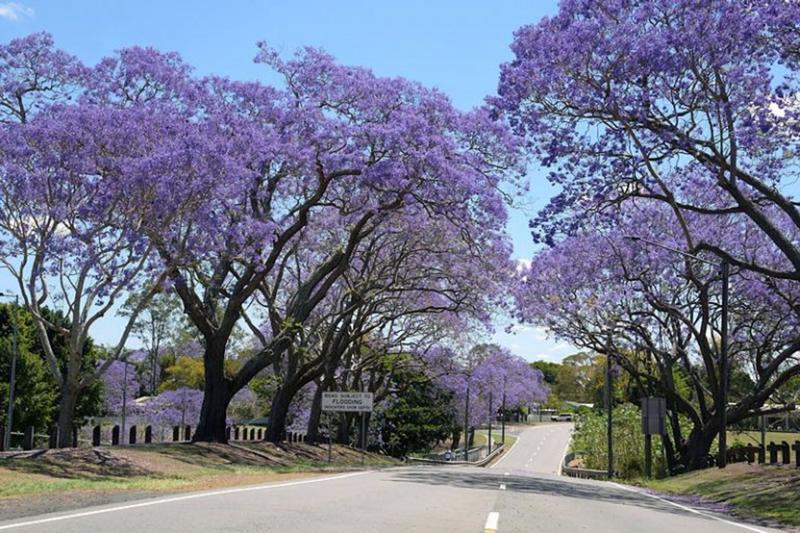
520	493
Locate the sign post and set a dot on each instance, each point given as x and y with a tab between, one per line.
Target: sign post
348	402
654	414
330	437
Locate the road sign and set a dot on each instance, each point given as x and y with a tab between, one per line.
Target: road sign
654	413
355	402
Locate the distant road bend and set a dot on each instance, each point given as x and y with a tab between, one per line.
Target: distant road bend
521	492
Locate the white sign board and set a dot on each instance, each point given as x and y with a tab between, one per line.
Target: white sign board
358	402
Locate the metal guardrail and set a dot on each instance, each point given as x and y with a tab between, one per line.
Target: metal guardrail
481	462
581	473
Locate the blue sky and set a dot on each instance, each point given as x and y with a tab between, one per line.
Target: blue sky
456	46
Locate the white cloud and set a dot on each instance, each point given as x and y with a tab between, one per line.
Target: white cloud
540	334
520	328
523	264
15	11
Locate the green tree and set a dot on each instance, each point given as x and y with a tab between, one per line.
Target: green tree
36	398
419	416
548	369
184	372
37	395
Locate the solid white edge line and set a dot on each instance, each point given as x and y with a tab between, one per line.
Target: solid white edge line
172	499
505	454
491	522
564	455
689	509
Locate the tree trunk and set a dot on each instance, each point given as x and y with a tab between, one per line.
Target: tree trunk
363	420
456	438
217	395
695	452
278	413
343	431
669	452
312	429
66	411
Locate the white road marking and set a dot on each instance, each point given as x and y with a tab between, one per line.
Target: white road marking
564	455
507	473
691	510
176	499
502	486
491	523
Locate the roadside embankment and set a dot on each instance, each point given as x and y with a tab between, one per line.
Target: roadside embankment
769	492
54	480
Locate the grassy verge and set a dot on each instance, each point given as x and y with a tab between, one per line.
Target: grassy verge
754	437
482	438
751	491
65	479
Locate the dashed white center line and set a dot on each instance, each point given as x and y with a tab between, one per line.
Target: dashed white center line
507	473
502	486
491	523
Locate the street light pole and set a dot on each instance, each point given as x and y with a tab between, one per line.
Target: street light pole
12	376
722	396
609	412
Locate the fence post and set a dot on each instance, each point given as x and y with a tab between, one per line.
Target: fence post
27	442
187	434
235	432
786	453
148	434
751	454
53	442
176	433
115	436
132	435
796	447
96	436
773	452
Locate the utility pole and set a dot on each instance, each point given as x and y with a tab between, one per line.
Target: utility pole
466	425
124	395
722	394
491	415
13	374
723	371
503	409
609	414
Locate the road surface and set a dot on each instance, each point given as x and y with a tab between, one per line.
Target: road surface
521	493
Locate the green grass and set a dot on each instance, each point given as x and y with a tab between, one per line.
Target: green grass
482	438
168	468
754	437
767	492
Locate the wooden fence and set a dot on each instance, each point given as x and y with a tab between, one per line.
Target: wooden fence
773	453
